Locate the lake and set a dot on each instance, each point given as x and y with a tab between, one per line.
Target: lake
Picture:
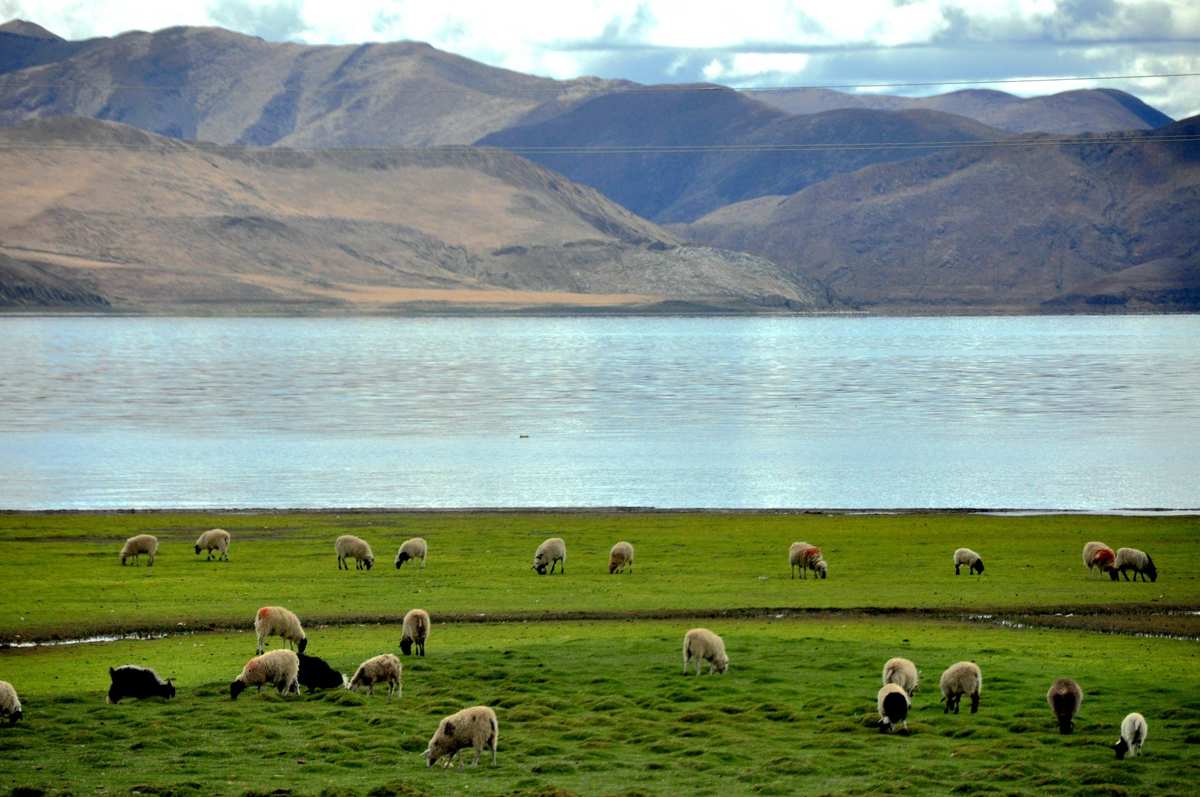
1085	413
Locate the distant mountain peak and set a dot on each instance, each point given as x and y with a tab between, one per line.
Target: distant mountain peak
32	30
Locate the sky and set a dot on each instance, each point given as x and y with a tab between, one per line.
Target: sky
756	43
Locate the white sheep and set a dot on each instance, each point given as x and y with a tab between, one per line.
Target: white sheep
278	621
1138	561
137	545
893	704
280	668
350	547
384	668
973	561
703	645
214	540
550	553
798	555
1064	698
1133	735
475	727
620	557
415	631
901	672
10	704
1090	550
416	548
963	678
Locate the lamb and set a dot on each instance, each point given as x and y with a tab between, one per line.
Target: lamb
280	668
973	561
1138	561
475	727
550	553
416	548
901	672
703	645
214	540
350	547
1133	736
10	704
130	680
384	668
1064	699
1097	554
278	621
963	678
414	631
140	544
803	556
620	557
893	703
316	674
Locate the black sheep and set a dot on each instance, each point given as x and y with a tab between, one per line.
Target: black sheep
315	673
140	682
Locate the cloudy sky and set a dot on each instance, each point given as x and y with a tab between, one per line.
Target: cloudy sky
745	43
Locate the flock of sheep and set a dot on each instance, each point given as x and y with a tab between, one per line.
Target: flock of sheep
477	727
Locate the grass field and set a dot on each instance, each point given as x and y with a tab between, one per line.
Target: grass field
598	706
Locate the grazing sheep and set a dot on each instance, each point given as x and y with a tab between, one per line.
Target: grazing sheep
1089	553
350	547
278	621
214	540
703	645
316	674
141	544
141	682
10	704
550	553
1102	557
820	568
414	631
1133	736
475	727
416	548
963	678
901	672
1064	699
1138	561
893	703
620	557
384	668
280	668
801	556
973	561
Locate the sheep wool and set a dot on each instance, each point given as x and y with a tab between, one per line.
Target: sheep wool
214	540
893	704
350	547
415	631
1064	698
475	727
10	704
972	560
803	556
416	548
901	672
1090	550
280	668
963	678
138	545
384	668
703	645
1133	736
1138	561
278	621
550	553
620	557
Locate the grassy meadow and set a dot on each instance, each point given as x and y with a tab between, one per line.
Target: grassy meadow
597	706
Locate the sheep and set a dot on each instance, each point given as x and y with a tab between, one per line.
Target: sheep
550	553
1097	554
281	668
475	727
1089	553
416	548
1138	561
316	674
214	540
799	555
820	568
620	557
10	704
140	544
383	668
1064	699
1133	736
973	561
901	672
278	621
963	678
414	631
703	645
350	547
893	703
129	680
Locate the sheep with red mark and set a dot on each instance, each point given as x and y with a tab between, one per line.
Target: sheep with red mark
806	557
1099	555
278	621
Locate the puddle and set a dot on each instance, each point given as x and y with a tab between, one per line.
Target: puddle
87	640
1032	624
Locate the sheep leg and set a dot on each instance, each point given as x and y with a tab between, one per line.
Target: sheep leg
1125	573
478	750
956	567
975	703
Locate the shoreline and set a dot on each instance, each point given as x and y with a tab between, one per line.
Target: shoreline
611	510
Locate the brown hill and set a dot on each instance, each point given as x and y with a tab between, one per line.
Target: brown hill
94	214
32	30
1065	226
